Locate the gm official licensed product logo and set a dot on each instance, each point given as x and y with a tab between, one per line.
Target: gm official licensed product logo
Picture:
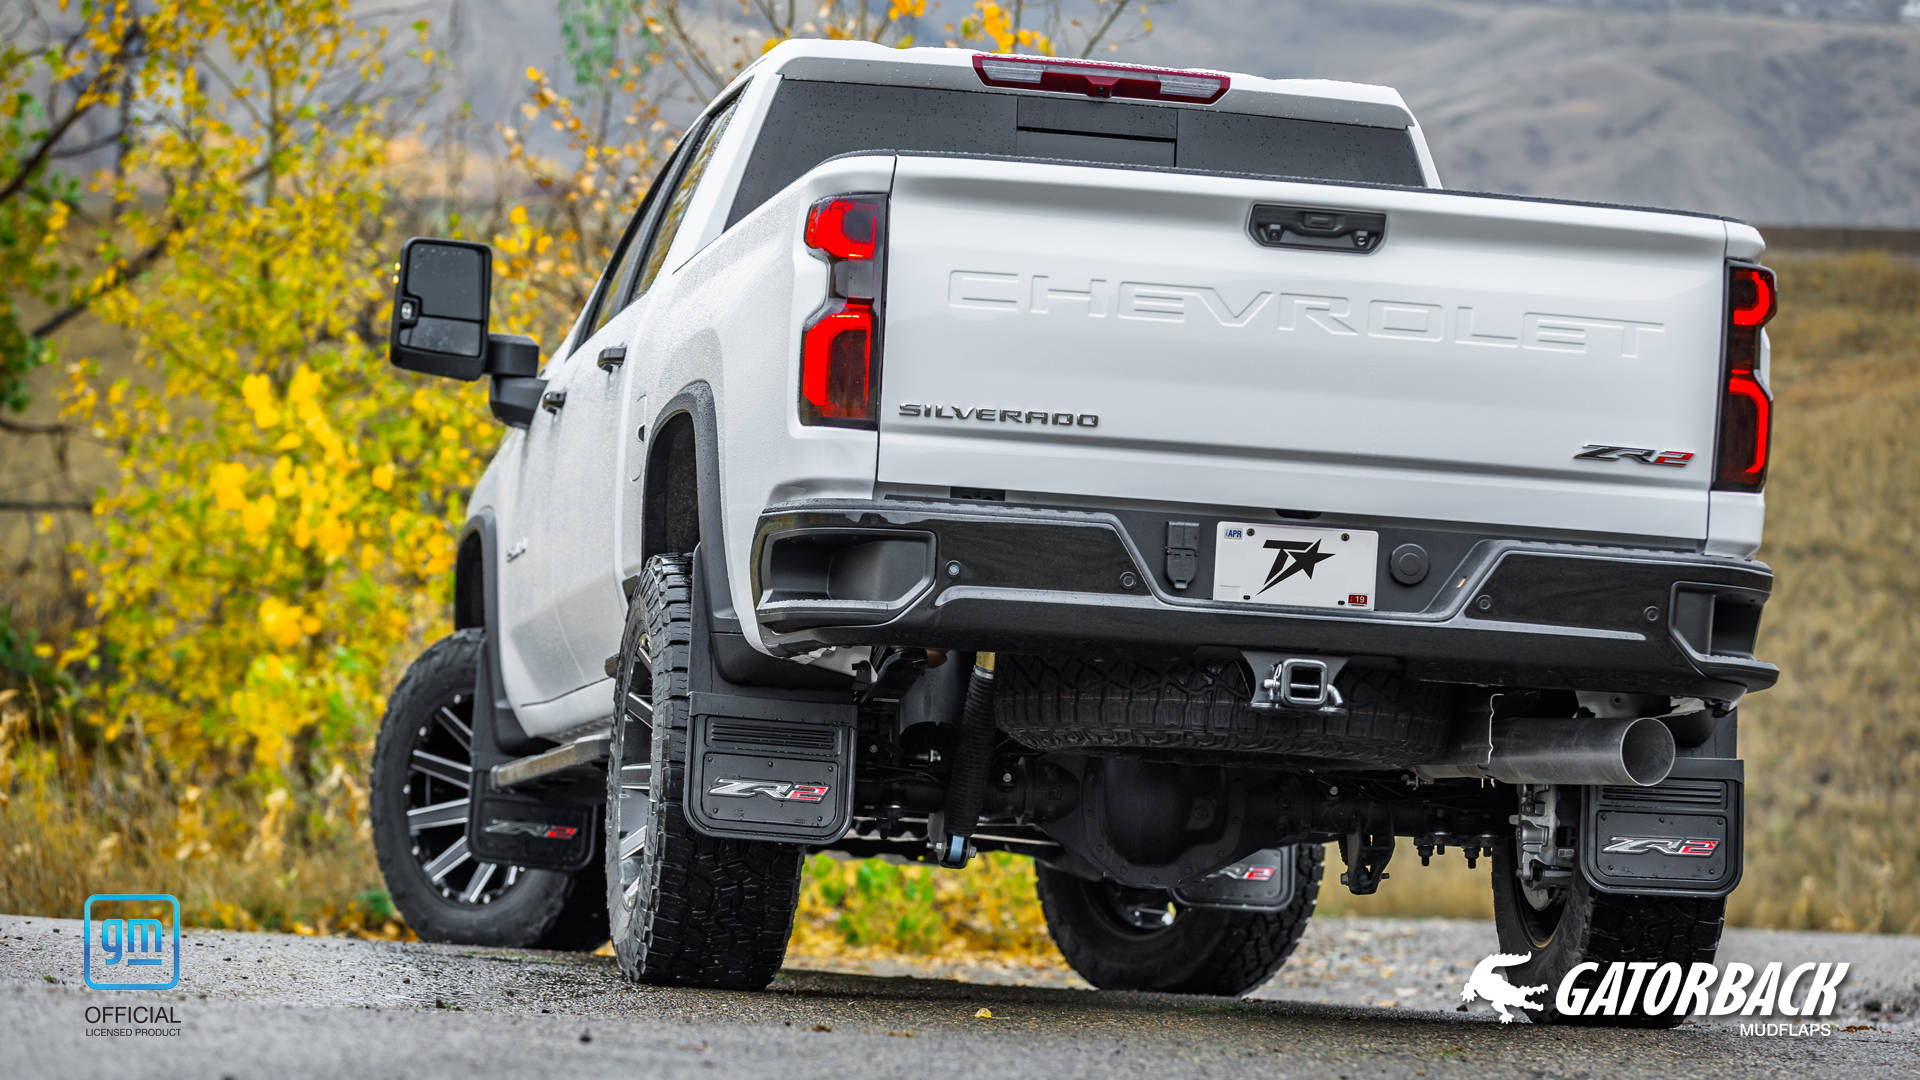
130	941
1644	987
772	789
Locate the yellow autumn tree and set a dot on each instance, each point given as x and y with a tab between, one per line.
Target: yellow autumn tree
280	529
277	541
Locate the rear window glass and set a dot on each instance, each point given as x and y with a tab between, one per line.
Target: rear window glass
810	122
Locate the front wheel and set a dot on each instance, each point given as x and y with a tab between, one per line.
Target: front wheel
686	909
422	773
1136	939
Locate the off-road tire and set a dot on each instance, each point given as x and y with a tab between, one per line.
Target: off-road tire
1196	708
1205	951
1599	927
541	908
704	912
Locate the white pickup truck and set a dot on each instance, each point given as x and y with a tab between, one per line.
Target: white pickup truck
1155	473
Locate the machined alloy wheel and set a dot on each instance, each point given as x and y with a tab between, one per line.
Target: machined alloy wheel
422	777
439	777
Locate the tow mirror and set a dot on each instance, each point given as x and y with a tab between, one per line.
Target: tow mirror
440	308
440	302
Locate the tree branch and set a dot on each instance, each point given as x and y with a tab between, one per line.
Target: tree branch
21	427
1113	15
23	506
40	153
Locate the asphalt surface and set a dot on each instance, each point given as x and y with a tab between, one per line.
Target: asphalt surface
1361	999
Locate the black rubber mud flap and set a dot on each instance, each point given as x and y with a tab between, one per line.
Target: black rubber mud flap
768	778
520	830
516	830
764	763
1263	881
1680	837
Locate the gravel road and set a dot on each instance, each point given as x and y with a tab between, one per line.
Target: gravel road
1362	998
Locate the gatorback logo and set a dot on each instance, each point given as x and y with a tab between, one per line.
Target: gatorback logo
1323	316
772	789
1644	987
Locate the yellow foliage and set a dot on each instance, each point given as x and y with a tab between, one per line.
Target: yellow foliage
283	512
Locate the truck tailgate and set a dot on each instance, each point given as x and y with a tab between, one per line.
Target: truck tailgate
1120	333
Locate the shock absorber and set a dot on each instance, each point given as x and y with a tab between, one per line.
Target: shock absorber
967	786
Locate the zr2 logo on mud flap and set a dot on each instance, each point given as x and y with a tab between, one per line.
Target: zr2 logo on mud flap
1660	845
1245	873
772	789
537	829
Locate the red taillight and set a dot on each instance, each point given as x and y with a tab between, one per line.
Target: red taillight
1744	420
840	346
1100	80
1750	300
1746	409
836	366
843	228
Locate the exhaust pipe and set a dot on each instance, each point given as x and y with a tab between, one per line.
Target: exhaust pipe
1637	752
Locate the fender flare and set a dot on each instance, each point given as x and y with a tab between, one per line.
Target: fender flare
695	401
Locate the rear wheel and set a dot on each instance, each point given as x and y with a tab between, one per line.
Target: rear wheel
422	771
686	908
1138	939
1576	924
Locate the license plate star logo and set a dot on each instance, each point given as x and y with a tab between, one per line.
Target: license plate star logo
1293	557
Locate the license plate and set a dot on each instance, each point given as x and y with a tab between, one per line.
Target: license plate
1292	567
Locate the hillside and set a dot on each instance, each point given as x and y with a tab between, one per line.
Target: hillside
1770	119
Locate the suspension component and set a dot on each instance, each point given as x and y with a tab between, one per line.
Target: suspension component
967	786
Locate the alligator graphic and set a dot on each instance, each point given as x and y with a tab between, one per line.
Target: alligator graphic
1488	984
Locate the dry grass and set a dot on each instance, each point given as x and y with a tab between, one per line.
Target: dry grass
1830	750
74	823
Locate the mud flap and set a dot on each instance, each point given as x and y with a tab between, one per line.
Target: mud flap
764	763
1680	837
515	830
1262	881
769	778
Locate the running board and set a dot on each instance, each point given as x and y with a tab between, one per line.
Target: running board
587	750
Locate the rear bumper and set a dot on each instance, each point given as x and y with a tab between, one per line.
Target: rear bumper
987	575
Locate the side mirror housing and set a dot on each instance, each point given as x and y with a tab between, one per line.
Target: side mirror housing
440	308
514	360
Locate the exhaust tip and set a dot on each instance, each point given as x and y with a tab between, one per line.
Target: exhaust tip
1647	751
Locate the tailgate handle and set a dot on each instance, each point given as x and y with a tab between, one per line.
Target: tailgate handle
1317	227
